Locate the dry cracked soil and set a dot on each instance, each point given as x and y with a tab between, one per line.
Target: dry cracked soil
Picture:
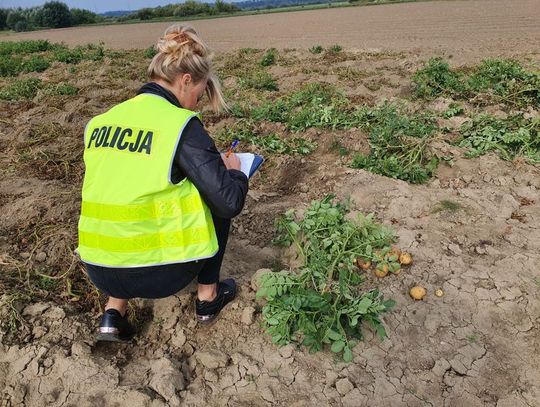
476	345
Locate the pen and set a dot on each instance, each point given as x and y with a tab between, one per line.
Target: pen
231	148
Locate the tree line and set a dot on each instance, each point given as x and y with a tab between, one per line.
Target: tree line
270	4
186	9
53	14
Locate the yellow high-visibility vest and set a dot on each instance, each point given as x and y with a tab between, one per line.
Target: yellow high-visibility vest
132	214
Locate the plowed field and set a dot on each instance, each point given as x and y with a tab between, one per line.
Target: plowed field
464	29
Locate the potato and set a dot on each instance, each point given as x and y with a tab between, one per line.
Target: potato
417	292
405	258
381	271
439	292
362	264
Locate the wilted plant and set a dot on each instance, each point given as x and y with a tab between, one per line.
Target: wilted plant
322	302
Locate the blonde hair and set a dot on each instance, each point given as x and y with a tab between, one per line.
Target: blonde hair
182	51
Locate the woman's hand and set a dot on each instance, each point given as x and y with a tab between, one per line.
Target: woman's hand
232	162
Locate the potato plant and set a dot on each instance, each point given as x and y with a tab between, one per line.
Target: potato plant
323	302
21	89
8	48
269	57
247	132
492	81
510	137
399	143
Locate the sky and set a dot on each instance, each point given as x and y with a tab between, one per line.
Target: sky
97	6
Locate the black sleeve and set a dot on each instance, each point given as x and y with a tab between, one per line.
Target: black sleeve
198	159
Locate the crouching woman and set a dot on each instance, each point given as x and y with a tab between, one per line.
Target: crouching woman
157	196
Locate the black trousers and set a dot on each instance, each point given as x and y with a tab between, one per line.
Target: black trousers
160	281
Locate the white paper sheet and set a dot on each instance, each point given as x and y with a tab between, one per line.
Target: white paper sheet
246	161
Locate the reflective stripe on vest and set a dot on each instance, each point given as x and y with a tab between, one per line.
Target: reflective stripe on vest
131	213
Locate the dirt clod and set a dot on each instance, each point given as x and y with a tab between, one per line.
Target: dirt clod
80	349
36	309
248	315
178	338
167	380
256	278
344	386
455	249
41	257
286	351
212	359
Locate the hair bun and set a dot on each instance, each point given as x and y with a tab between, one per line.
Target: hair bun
171	43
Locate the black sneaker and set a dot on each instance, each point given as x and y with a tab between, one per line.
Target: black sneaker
207	311
114	327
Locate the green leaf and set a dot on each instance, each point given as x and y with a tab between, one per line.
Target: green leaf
389	304
337	346
379	327
347	354
364	305
333	335
272	321
355	279
262	292
294	228
308	340
394	267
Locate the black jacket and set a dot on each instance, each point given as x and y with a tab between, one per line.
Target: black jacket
198	159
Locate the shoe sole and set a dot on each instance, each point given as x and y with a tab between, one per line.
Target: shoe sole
207	320
110	337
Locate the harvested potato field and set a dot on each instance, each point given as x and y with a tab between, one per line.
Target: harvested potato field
386	169
465	29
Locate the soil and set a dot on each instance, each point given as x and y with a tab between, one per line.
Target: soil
463	29
477	345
